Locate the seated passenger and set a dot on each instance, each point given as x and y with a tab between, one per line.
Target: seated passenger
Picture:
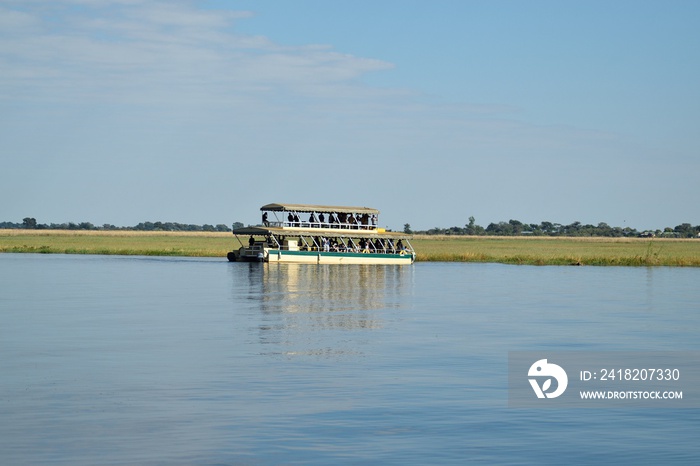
365	246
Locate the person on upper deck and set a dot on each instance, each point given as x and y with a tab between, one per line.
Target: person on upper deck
364	220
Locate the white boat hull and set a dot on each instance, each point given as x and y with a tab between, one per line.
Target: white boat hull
321	257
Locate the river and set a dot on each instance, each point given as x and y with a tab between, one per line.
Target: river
108	360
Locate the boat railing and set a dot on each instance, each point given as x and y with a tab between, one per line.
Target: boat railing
307	224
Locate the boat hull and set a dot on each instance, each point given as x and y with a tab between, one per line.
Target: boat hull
321	257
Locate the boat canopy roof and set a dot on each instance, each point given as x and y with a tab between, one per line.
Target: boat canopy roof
318	208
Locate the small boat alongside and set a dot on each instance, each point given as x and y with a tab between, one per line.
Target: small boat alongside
317	234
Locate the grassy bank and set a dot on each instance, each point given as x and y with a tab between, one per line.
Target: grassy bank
560	250
509	250
162	243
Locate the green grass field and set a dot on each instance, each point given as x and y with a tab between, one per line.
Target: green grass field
560	250
508	250
195	244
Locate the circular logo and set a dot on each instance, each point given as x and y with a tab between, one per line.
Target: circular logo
544	372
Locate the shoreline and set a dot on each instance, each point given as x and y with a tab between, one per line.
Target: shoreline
529	250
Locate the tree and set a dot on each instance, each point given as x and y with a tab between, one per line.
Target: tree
471	226
517	226
500	229
29	223
407	228
547	227
684	230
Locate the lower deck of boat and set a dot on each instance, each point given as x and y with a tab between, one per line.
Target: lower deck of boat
321	257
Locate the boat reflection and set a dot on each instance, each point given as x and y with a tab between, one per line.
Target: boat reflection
324	310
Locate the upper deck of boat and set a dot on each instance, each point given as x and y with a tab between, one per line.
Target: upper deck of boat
308	219
320	231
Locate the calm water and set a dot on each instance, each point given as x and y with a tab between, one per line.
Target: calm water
133	360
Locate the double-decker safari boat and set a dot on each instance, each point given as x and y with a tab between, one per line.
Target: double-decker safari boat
318	234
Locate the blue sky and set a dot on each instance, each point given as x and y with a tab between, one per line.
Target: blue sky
123	111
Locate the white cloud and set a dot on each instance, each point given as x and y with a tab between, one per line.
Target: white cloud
146	51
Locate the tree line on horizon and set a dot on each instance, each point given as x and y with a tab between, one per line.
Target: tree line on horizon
517	228
510	228
29	223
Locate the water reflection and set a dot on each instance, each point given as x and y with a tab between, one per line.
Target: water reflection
303	307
